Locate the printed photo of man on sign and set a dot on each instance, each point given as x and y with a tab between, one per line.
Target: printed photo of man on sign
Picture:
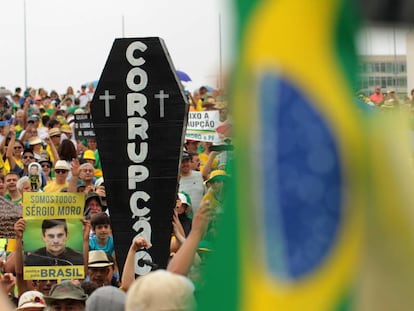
53	236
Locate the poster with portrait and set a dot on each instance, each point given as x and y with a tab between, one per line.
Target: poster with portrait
53	237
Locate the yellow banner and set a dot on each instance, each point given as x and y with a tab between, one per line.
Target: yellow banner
54	273
53	205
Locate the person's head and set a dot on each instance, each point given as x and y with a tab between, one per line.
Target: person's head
99	267
67	130
43	286
61	171
46	166
35	143
55	234
86	172
31	301
67	150
28	157
10	181
183	202
23	184
45	120
89	157
91	143
55	134
216	180
66	296
223	110
195	161
20	116
33	121
101	225
378	89
160	290
191	146
17	149
93	205
106	298
185	168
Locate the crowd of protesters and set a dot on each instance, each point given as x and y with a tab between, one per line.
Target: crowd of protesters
40	153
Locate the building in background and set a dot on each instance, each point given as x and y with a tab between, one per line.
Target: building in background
386	71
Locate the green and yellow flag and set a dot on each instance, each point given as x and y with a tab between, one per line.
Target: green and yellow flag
292	230
320	215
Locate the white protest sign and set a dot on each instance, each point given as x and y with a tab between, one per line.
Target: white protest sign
202	125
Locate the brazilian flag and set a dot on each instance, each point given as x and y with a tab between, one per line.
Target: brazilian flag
292	233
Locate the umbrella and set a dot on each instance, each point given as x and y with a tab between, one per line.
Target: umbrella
183	76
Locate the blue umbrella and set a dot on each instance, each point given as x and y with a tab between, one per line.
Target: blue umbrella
183	76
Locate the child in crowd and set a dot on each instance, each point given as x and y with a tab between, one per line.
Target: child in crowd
102	238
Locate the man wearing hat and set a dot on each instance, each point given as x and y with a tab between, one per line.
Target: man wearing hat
216	184
89	157
66	296
61	173
55	137
100	268
93	205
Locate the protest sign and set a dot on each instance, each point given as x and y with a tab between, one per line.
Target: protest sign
202	125
84	126
139	111
53	237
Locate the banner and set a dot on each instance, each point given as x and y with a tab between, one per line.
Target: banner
53	238
202	125
139	111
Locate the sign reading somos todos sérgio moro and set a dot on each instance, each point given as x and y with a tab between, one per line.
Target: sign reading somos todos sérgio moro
138	112
53	236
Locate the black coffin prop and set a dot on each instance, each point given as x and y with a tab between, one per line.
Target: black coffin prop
139	111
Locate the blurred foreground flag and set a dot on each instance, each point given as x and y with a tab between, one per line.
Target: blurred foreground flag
291	234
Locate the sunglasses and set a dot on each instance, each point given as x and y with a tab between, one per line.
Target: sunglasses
58	171
46	165
18	147
28	157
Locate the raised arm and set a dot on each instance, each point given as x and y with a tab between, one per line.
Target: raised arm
183	259
53	149
75	176
19	228
128	273
9	152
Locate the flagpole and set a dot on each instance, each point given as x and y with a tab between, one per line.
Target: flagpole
123	26
220	57
25	43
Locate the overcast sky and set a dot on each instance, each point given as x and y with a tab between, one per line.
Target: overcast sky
382	40
68	41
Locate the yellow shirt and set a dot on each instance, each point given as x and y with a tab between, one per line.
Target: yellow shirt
54	187
7	165
203	160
